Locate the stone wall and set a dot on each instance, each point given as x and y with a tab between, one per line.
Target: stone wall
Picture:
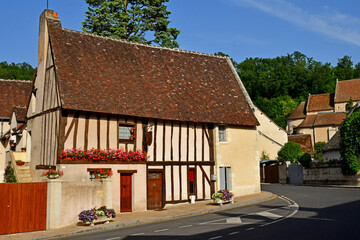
329	175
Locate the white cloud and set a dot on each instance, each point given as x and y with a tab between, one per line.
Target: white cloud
335	25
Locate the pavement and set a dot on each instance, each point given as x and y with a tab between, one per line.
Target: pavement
172	211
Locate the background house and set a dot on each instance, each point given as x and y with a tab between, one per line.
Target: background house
322	114
15	93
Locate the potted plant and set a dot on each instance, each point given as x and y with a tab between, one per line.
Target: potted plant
223	196
19	162
52	174
94	215
23	149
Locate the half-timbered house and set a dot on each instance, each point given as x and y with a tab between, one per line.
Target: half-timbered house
99	92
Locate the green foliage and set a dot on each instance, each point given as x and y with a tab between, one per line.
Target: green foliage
16	71
305	160
290	77
9	175
317	150
350	144
278	109
132	20
289	152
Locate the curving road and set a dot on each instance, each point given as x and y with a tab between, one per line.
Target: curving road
300	212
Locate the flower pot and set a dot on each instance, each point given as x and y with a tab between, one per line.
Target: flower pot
101	219
53	176
20	163
221	202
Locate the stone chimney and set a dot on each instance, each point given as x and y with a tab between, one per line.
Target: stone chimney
45	16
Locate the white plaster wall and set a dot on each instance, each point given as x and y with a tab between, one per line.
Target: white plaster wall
4	146
79	173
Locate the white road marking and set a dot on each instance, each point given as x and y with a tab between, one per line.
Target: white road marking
185	226
113	238
233	220
252	228
215	237
137	234
232	233
269	215
161	230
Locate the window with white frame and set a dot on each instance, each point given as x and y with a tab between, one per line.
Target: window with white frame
222	133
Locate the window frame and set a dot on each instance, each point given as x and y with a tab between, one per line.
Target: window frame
126	124
222	128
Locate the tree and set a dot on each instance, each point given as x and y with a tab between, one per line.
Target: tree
289	152
344	69
18	71
318	155
132	20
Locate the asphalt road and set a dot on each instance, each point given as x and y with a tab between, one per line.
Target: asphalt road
301	212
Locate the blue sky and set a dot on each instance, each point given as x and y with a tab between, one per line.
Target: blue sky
323	29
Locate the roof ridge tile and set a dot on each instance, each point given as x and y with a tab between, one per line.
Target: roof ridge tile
143	44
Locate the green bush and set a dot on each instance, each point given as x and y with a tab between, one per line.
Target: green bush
317	150
9	175
305	160
350	144
289	152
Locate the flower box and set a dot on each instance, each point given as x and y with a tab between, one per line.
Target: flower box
221	202
20	163
101	219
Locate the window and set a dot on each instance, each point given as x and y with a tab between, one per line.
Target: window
222	135
126	132
92	173
225	178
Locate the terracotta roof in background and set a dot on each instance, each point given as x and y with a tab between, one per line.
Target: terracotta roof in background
323	119
20	113
107	75
308	121
305	142
346	89
299	112
14	93
326	119
320	102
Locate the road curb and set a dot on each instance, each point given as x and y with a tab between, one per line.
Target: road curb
143	221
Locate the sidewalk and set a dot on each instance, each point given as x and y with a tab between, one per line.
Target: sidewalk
129	219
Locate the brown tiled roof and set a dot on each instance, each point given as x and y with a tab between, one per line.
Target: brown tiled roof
323	119
14	93
308	121
305	142
299	112
106	75
20	113
346	89
320	102
326	119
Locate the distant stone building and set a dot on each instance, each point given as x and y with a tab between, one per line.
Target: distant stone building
322	114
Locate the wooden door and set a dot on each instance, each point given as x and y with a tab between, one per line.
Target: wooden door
22	207
125	192
154	193
272	173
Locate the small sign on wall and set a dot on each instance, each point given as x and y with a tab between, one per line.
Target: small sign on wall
99	193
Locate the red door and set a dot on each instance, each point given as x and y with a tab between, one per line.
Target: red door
125	192
154	190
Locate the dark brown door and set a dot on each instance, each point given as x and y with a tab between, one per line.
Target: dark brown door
125	192
272	173
154	190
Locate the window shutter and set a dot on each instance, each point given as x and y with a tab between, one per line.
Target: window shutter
227	174
222	178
